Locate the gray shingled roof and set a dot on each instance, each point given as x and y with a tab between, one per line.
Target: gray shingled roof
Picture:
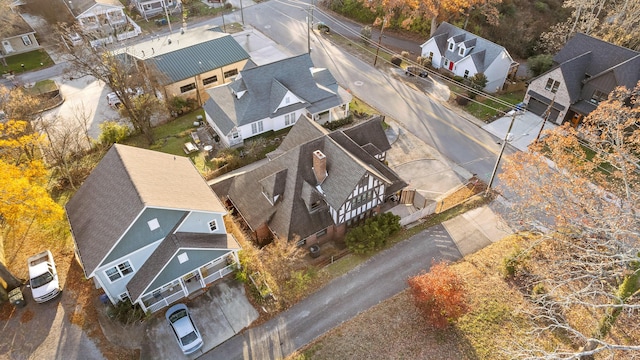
196	59
482	60
573	71
265	87
125	181
151	270
346	165
605	55
18	27
78	7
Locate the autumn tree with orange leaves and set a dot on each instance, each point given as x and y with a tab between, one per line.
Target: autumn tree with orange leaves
579	190
24	199
439	295
436	10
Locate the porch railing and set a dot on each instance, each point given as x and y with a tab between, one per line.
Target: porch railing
219	274
164	302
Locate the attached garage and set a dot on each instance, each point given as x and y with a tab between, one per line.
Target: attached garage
538	107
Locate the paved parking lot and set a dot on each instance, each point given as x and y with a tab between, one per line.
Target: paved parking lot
85	102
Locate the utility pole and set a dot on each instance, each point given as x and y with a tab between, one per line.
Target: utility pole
375	60
224	26
547	113
166	13
308	35
504	144
241	13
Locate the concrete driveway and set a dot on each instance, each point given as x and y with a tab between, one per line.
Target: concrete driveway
219	313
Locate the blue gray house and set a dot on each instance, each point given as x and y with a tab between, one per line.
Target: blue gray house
147	228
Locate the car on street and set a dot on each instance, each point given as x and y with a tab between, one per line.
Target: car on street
415	70
43	277
185	330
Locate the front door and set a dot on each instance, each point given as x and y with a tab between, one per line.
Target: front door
575	120
451	65
192	282
7	46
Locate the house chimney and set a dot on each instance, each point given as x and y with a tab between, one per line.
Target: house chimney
319	166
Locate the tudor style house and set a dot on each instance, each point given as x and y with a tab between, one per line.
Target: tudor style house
272	97
584	72
148	228
316	184
191	61
465	54
103	20
19	38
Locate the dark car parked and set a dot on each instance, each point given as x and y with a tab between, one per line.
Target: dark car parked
414	70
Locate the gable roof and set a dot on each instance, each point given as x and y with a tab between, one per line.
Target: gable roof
347	163
18	27
604	55
483	54
127	180
584	59
151	272
265	88
200	58
78	7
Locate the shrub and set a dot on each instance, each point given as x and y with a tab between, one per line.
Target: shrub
338	123
125	312
111	132
462	100
541	6
396	60
365	33
539	64
439	295
405	55
459	79
513	263
373	234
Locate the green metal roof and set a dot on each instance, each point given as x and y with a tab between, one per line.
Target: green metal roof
200	58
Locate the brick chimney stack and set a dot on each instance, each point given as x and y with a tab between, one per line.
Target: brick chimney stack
319	166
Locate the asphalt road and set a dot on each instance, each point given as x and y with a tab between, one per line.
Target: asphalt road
461	141
378	279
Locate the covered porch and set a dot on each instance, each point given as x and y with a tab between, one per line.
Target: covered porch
189	283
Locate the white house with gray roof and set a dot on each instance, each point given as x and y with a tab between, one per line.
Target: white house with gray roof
103	20
465	54
148	228
272	97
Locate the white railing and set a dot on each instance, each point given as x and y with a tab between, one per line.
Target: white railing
219	274
164	302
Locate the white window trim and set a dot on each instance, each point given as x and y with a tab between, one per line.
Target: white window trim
451	45
26	40
124	295
215	224
117	267
461	51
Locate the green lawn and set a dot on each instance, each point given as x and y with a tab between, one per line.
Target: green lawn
487	109
32	60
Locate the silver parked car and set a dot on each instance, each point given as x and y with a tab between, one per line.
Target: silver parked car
186	332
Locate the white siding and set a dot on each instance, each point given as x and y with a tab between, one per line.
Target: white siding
430	46
497	72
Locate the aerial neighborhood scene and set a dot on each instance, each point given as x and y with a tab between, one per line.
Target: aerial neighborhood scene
310	180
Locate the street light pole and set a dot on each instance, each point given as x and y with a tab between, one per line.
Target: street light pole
504	144
375	60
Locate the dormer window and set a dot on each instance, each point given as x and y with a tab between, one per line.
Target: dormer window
461	51
315	206
451	45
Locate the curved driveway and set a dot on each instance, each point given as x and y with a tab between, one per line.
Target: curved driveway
378	279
